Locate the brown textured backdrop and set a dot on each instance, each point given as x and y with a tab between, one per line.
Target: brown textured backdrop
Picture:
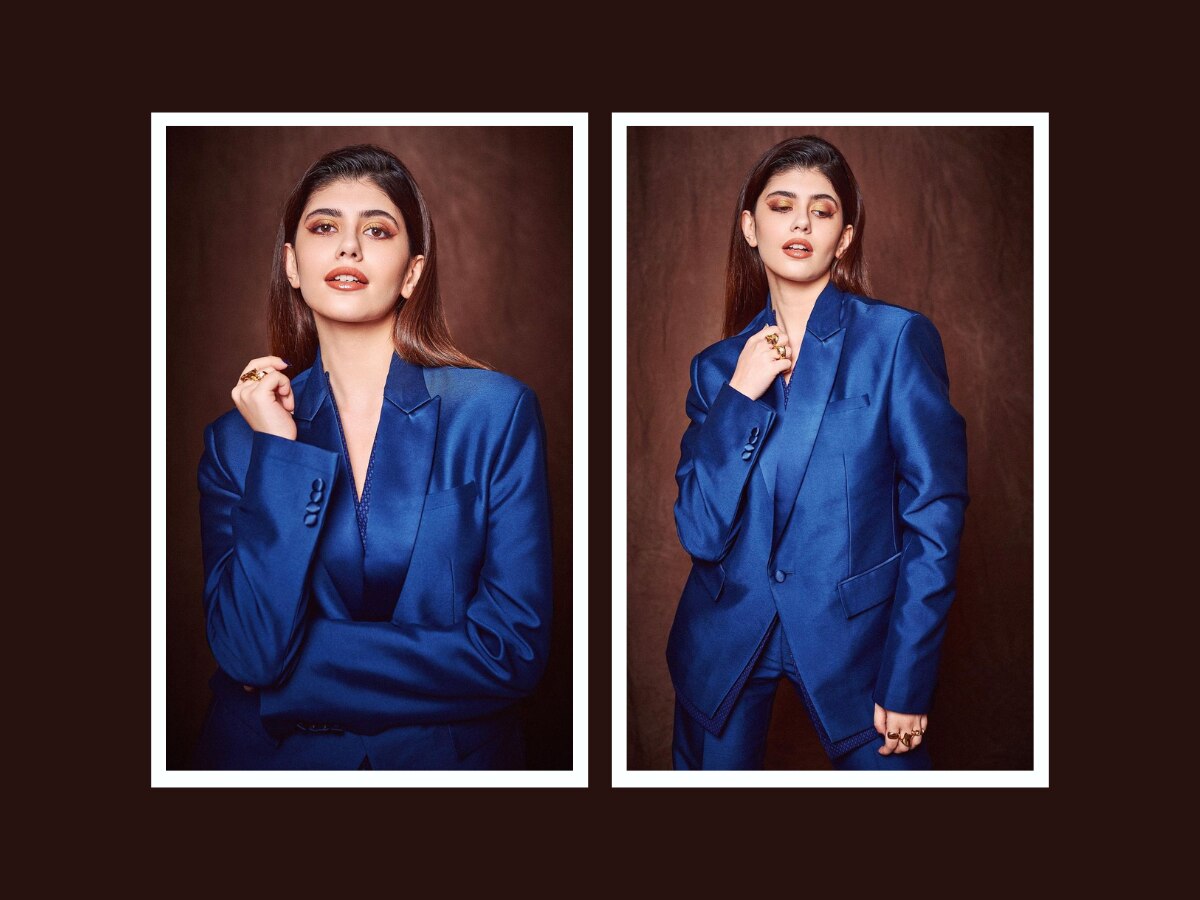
949	233
501	203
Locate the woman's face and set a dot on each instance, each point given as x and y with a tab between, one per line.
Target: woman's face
351	258
798	226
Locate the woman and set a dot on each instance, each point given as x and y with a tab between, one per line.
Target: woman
374	511
822	486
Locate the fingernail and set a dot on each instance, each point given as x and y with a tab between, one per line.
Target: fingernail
286	363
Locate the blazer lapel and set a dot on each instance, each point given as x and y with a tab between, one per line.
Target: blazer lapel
407	438
340	558
812	381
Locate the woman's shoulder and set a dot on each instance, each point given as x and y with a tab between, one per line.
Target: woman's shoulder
722	353
873	312
477	390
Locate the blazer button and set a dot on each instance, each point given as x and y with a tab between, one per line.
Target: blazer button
749	447
310	519
779	576
313	508
746	454
318	484
754	433
316	496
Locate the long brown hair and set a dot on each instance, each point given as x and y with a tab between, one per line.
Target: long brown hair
420	334
745	276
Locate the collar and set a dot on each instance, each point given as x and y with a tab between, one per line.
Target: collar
405	387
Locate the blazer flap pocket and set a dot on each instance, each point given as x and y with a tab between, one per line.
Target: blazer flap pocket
866	589
455	496
845	403
711	577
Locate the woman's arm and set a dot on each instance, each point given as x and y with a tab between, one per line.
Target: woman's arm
370	676
258	543
929	439
718	452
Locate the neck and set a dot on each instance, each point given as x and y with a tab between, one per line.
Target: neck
358	359
794	302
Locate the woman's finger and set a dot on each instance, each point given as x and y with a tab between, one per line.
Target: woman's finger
891	737
272	385
908	734
265	362
880	719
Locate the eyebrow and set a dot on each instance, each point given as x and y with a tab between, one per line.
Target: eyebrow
792	196
365	214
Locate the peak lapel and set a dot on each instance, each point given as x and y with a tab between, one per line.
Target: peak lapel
812	381
408	426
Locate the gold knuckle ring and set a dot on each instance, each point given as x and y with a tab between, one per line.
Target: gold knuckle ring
252	375
782	351
772	338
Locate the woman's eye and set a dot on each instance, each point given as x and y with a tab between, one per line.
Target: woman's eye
320	228
377	231
781	208
822	213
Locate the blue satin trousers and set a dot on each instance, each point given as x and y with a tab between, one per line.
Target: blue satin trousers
743	741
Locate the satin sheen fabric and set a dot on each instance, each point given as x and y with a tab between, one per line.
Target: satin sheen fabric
842	514
457	554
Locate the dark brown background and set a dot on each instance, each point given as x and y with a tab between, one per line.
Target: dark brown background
501	202
949	233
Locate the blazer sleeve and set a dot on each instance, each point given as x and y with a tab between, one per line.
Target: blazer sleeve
370	676
929	440
717	454
258	540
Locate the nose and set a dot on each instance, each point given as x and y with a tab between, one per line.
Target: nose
801	221
349	247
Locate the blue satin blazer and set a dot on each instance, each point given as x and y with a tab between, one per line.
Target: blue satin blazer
841	514
407	646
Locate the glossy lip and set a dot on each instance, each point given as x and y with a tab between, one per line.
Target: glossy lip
803	253
346	285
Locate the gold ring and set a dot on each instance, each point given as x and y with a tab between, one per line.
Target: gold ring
252	375
907	739
893	735
782	351
772	338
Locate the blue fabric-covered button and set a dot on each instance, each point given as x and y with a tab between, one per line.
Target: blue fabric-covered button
746	454
313	508
318	484
779	576
316	496
754	433
749	447
310	520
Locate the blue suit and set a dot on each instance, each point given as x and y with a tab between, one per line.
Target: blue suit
393	633
838	516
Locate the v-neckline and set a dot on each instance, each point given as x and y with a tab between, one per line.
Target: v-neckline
362	503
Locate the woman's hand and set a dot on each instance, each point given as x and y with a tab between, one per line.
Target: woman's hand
760	362
267	404
890	723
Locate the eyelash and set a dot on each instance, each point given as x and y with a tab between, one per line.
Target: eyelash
819	213
384	233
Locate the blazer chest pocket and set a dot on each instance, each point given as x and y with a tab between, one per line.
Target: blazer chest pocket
870	588
847	403
463	495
